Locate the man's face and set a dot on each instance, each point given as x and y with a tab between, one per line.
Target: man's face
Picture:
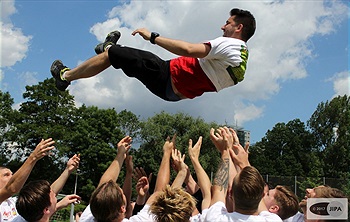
53	201
269	198
5	176
309	193
230	28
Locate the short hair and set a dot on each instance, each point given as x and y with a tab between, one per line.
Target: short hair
173	205
106	201
328	192
245	18
33	198
248	189
287	201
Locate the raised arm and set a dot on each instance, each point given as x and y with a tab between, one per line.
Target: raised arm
178	47
127	186
202	177
113	170
72	164
182	169
18	179
221	180
163	176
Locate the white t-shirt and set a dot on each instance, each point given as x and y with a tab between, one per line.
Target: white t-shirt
143	215
19	219
218	212
227	55
8	209
298	217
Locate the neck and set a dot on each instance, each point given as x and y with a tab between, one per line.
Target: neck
247	212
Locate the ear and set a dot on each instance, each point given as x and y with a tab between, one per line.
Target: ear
239	28
274	209
123	209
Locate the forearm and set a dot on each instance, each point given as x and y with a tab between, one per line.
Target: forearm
191	185
220	183
181	48
113	170
18	179
203	182
163	176
60	182
180	178
127	189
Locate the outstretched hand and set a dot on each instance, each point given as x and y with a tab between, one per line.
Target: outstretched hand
73	163
42	149
194	151
146	35
124	145
169	146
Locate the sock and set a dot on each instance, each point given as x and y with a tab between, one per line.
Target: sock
108	46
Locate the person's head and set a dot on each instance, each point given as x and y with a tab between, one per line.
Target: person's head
248	189
173	205
281	201
322	191
240	25
5	176
108	202
36	200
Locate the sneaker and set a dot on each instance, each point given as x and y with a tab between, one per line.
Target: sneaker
111	39
57	69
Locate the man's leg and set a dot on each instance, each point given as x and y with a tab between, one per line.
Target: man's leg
89	68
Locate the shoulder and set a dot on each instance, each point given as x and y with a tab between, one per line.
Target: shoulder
19	219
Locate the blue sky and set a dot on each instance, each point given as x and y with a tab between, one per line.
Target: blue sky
299	55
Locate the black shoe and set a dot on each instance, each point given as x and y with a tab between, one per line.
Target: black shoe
111	39
57	69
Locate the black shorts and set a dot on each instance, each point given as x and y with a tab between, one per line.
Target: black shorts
151	70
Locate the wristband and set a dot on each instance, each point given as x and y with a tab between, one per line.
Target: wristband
154	35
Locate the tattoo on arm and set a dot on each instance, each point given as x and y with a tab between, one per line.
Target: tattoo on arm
221	176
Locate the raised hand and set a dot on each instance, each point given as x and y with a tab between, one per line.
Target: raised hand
124	145
73	163
42	149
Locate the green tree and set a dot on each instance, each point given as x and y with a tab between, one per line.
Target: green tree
286	150
155	130
330	125
6	122
45	113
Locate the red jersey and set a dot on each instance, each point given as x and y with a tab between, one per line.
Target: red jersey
189	78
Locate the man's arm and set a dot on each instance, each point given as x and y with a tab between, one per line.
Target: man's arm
163	176
222	141
178	47
18	179
182	169
113	170
203	179
127	186
72	164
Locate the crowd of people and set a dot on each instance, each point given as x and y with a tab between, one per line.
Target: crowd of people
237	192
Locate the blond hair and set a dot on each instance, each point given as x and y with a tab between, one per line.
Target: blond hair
173	205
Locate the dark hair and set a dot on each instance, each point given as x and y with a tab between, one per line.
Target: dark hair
287	202
245	18
33	198
106	202
248	189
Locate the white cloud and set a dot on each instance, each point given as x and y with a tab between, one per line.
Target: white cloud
7	9
341	84
14	44
28	78
279	51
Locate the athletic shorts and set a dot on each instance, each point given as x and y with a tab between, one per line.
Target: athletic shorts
145	66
